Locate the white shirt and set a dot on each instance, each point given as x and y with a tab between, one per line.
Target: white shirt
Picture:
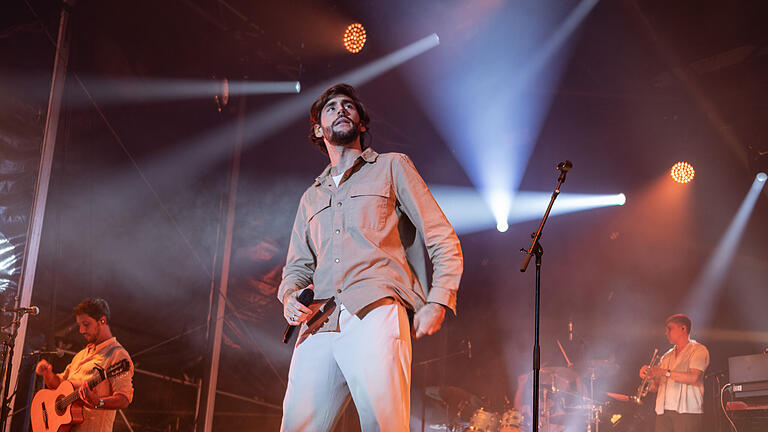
80	370
676	396
337	178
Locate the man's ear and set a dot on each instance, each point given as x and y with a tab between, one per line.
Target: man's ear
318	131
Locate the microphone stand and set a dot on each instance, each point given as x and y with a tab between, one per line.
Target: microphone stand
8	343
538	251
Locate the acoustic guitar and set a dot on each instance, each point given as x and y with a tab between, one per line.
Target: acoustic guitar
58	410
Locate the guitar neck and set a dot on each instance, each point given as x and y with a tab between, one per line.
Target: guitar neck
75	395
114	370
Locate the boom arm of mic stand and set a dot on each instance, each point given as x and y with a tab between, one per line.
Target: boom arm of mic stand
537	235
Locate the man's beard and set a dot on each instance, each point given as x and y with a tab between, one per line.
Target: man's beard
344	137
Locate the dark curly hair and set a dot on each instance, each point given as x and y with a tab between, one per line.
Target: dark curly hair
94	308
317	106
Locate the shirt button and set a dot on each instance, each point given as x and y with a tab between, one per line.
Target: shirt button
336	260
338	204
338	231
338	290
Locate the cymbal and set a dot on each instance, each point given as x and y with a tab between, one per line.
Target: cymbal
618	396
601	368
558	376
452	396
447	427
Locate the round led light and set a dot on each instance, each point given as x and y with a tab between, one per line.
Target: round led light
682	172
354	38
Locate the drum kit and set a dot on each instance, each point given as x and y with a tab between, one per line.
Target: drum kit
567	402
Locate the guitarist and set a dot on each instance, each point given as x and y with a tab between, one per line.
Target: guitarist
103	350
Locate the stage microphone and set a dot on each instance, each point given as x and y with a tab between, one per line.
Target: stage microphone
305	298
58	352
565	166
32	310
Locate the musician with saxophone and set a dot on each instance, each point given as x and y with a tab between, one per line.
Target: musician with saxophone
103	350
679	379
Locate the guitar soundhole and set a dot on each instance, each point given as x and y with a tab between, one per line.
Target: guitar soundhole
60	410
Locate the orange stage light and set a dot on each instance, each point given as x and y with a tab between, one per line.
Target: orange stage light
354	38
682	172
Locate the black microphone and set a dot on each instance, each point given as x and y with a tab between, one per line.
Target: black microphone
565	166
32	310
305	298
57	352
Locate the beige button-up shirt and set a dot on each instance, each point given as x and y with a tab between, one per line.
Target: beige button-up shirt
80	370
676	396
364	240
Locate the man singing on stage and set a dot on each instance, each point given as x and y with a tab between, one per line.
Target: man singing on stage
103	350
679	378
358	237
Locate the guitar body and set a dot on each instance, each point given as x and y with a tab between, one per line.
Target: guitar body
44	415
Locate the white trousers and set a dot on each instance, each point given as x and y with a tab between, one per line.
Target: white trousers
369	359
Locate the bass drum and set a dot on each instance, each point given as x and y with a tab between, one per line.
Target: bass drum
484	421
511	420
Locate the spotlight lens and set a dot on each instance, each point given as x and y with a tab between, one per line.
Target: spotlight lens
682	172
502	226
622	199
761	177
354	38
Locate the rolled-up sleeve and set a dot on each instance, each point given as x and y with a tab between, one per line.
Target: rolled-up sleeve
700	359
122	384
301	261
440	239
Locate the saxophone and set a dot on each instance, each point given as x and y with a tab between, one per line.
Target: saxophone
645	384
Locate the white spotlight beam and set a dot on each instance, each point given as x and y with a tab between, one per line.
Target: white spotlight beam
493	144
702	297
468	211
559	38
531	205
108	91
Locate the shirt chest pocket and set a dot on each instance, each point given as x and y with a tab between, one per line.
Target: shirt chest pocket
319	218
370	204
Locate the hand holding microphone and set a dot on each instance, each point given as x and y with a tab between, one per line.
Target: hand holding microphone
296	310
295	307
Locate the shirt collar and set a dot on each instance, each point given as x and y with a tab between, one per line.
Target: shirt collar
93	347
369	155
685	348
